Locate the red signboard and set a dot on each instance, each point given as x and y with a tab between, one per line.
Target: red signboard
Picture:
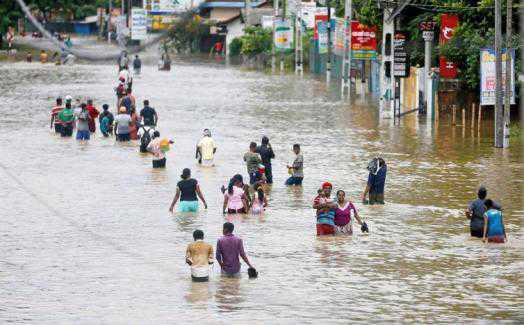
448	24
363	38
317	19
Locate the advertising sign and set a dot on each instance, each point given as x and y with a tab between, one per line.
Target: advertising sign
488	77
322	37
400	55
309	10
283	35
363	41
138	24
267	21
340	34
318	18
448	24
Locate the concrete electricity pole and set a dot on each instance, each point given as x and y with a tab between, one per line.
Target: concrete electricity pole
273	49
499	111
346	61
299	65
328	63
507	101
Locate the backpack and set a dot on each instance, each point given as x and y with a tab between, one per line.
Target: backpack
145	140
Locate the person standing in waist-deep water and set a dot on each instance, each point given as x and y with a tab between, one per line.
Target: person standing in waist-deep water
106	120
266	153
325	207
199	255
494	231
82	125
236	197
344	214
376	182
122	123
148	115
187	190
93	115
259	200
229	249
206	149
67	119
252	159
55	122
475	213
154	146
297	168
137	65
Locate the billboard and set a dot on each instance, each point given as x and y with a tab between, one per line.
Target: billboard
138	24
363	41
283	35
488	77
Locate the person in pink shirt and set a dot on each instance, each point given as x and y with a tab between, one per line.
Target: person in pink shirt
235	200
344	214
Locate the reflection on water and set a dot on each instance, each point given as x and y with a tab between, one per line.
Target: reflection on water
87	237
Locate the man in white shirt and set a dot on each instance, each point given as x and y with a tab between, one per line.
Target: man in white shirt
206	149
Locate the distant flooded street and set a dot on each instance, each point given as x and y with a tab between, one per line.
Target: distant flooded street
86	237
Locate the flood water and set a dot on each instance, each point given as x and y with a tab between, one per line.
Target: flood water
86	237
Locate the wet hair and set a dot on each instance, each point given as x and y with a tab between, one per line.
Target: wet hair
146	102
296	146
136	56
252	145
83	105
341	191
89	102
229	227
265	140
482	193
198	234
59	101
381	162
239	178
105	107
156	134
232	182
186	173
68	104
488	203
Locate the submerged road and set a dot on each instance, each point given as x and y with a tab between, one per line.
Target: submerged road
86	237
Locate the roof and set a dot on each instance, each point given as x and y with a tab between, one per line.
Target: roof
227	4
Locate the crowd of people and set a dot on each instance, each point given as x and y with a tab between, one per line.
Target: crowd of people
334	215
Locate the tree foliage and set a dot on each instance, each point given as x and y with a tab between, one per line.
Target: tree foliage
187	30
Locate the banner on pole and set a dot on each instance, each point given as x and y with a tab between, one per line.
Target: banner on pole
340	36
448	24
322	33
283	35
363	41
138	24
488	77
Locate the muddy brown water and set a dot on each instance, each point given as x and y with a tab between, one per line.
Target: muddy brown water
86	237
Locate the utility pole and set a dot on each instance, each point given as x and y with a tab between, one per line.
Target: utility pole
386	74
507	101
499	111
299	66
346	61
328	62
273	49
247	8
109	21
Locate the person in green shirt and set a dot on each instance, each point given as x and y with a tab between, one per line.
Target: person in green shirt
253	159
67	118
